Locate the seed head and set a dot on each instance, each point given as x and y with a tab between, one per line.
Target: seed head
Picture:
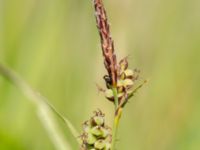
96	135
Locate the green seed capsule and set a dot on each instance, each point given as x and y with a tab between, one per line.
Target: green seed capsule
96	134
99	120
97	130
91	139
100	144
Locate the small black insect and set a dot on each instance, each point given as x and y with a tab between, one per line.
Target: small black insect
108	81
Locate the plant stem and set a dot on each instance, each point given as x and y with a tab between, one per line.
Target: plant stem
118	112
116	101
115	127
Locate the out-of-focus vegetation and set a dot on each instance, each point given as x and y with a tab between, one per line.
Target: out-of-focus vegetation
54	46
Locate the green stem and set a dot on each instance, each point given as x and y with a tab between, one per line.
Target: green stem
115	127
118	112
116	101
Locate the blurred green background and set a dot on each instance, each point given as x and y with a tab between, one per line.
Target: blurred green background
54	46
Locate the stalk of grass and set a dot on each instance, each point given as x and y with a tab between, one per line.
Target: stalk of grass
44	109
55	134
110	61
115	127
120	80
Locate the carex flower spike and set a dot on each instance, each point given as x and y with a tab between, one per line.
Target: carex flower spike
107	43
120	83
96	134
119	75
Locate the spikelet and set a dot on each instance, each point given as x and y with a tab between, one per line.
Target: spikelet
96	135
107	43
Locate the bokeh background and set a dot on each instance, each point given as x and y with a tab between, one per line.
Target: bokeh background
54	46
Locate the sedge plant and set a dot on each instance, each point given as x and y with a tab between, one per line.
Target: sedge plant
120	80
120	83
